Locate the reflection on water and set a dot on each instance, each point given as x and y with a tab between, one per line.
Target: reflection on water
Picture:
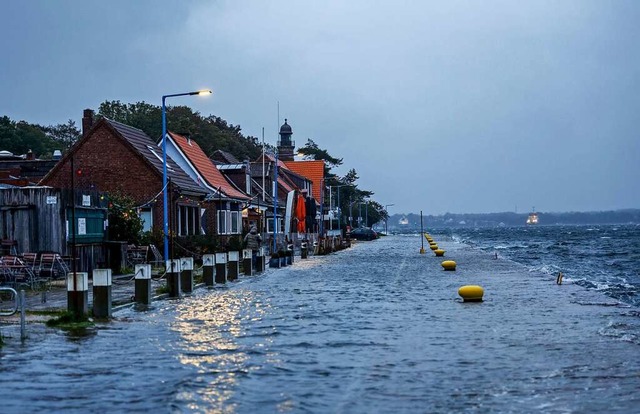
377	328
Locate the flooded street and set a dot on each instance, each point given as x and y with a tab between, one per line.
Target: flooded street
375	328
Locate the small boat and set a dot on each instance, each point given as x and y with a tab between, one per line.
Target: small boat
533	218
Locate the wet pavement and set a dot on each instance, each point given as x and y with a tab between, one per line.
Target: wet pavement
375	328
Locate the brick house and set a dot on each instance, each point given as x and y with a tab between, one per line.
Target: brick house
113	157
223	197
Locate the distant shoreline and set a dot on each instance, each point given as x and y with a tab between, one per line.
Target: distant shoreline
510	219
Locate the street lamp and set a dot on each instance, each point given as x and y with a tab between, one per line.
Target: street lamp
275	203
164	166
386	220
338	206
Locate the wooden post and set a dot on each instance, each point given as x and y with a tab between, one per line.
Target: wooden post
234	264
143	284
208	264
247	262
102	293
260	262
221	268
186	274
173	278
78	293
304	252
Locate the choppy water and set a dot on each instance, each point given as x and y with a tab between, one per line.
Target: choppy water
377	328
604	258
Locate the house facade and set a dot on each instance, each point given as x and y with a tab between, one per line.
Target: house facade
115	158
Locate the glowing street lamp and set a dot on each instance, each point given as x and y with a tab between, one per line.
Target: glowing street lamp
164	165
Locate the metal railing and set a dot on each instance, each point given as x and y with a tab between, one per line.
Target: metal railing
18	302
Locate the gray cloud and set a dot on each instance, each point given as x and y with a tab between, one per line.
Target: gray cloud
439	106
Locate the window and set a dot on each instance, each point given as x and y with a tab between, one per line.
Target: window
188	220
222	222
146	215
236	222
270	225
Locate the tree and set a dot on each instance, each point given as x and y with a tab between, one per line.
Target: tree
124	222
211	133
20	137
64	134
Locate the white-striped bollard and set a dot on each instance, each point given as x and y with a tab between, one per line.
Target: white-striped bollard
247	262
221	268
233	265
78	293
173	278
143	284
102	293
260	261
208	264
186	274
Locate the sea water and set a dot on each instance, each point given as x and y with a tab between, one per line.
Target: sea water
605	258
376	328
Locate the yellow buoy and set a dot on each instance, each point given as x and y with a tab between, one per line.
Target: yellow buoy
471	293
449	265
433	247
439	252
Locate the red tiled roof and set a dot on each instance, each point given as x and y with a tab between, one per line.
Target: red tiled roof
205	166
311	169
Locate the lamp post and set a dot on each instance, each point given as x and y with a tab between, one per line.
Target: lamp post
164	166
275	203
366	213
338	204
386	220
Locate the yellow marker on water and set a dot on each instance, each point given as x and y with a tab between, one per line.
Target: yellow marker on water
449	265
471	293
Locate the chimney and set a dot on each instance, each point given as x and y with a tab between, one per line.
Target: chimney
247	177
87	121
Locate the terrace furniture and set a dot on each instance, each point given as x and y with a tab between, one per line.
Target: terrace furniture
15	272
52	266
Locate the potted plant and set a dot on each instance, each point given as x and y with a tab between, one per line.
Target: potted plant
274	261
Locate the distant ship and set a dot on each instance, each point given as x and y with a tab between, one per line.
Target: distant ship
533	218
404	221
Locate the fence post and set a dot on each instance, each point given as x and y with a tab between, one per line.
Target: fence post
143	284
208	263
173	278
221	268
234	259
186	274
78	293
247	262
102	293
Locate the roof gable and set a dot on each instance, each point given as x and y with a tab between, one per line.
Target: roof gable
312	170
204	166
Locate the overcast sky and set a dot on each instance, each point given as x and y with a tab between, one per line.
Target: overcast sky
450	106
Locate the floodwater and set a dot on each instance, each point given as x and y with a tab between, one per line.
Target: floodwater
375	328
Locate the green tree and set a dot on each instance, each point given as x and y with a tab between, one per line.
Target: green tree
63	134
124	222
211	133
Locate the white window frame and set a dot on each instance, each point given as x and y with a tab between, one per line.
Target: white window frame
144	214
221	223
236	222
